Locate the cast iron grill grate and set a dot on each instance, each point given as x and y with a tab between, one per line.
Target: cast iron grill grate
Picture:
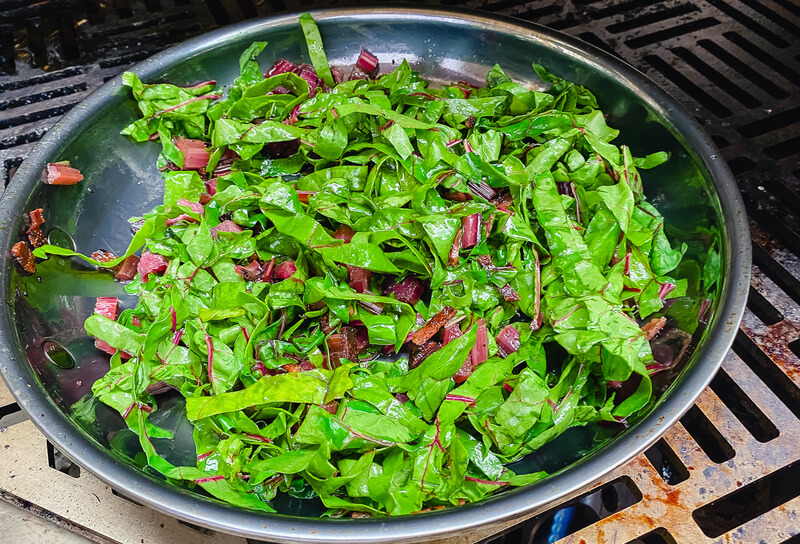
728	471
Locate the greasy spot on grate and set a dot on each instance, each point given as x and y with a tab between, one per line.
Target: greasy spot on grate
60	462
657	536
760	306
743	408
768	372
785	195
667	463
722	515
707	436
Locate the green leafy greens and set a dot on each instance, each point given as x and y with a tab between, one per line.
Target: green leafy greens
508	208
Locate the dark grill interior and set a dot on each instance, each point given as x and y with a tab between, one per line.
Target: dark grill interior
735	64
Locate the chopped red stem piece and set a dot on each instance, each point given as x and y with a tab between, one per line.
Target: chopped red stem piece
58	173
480	352
428	96
195	155
359	279
127	270
409	290
508	340
460	398
149	263
344	233
210	350
472	228
452	258
107	307
366	61
305	195
420	353
665	289
282	66
285	270
225	226
251	272
433	325
451	332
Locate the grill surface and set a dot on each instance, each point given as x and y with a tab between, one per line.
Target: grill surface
729	472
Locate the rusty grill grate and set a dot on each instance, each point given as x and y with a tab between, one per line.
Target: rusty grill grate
729	472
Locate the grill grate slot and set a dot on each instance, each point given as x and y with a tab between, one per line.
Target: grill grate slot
658	536
760	363
707	436
739	507
668	465
743	408
671	73
760	306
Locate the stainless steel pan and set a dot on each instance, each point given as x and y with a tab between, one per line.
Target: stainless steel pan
695	191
